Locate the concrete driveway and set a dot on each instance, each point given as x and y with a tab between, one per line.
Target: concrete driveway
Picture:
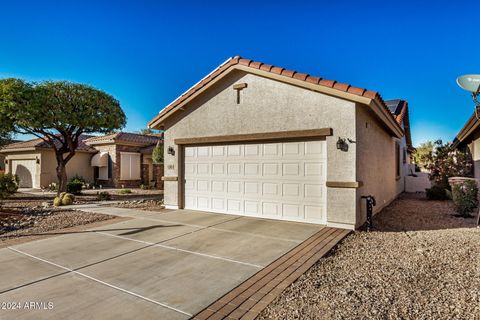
167	265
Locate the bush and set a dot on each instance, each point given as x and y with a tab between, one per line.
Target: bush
103	196
75	185
437	192
8	184
464	196
64	199
125	191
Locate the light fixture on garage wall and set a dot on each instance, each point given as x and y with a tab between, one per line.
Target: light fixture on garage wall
342	144
171	151
38	160
6	161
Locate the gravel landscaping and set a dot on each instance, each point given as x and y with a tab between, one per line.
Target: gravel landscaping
26	217
421	262
150	205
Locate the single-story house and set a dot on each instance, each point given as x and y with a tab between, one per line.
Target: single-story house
468	139
119	159
258	140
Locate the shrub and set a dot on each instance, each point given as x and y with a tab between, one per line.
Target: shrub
103	196
464	196
64	199
75	185
8	184
57	202
125	191
445	161
68	199
437	192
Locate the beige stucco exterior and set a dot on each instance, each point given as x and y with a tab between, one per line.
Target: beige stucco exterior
46	165
267	105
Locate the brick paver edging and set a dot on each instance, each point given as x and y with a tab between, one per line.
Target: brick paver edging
252	296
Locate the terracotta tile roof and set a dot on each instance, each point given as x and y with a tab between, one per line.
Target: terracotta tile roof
277	70
39	143
126	137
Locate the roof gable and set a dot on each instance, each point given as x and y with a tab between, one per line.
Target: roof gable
330	87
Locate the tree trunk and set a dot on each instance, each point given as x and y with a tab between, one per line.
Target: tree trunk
61	176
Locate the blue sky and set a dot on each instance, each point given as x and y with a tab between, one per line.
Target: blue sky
146	53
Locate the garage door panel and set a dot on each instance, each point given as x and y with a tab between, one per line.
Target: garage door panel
270	169
218	169
275	180
252	150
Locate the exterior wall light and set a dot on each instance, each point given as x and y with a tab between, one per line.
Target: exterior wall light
171	151
342	144
38	161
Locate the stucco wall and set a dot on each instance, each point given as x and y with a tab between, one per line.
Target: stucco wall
268	106
376	163
474	147
78	165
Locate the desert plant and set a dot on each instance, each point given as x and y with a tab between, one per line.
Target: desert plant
125	191
75	185
63	199
103	196
8	184
437	192
464	196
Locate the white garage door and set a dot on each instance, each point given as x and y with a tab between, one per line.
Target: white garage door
26	171
276	180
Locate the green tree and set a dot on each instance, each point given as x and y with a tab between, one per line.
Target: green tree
58	112
445	161
423	153
157	153
147	131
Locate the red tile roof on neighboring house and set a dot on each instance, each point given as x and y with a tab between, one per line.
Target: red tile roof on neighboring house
118	137
40	144
276	70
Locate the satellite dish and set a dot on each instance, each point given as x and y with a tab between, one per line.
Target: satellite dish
469	82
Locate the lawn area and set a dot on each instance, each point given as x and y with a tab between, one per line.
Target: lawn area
421	262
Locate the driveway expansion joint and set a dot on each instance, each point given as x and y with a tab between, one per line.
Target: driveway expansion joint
102	282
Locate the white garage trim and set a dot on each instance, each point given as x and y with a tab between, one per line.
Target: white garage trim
279	180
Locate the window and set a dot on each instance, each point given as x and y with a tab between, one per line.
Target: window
397	159
129	166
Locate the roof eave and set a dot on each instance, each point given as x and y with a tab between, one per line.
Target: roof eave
159	120
469	128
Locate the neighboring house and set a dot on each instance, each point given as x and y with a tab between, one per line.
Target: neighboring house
468	139
2	158
257	140
116	160
34	162
125	160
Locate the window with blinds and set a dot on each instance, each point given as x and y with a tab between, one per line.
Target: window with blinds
129	166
